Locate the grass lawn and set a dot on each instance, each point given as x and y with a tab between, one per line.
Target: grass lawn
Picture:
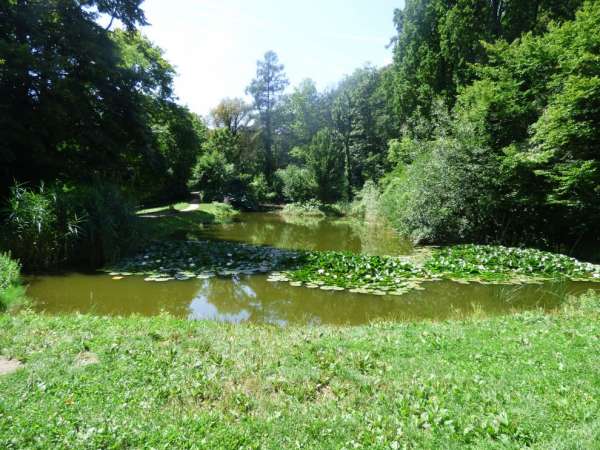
530	380
172	220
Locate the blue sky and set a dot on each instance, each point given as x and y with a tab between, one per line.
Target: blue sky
215	43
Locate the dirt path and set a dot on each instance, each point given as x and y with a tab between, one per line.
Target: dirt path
194	203
8	366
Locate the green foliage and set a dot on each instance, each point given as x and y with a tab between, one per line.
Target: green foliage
11	290
366	203
516	160
41	227
109	226
324	158
386	274
438	42
212	173
10	271
182	260
69	107
47	228
447	193
178	136
266	89
298	184
360	273
314	208
259	191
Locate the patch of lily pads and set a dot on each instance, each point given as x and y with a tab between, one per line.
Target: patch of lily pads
184	260
498	264
386	275
361	274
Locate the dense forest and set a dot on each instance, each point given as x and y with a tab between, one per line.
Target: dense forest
483	129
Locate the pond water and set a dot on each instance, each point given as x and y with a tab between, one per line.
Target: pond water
242	298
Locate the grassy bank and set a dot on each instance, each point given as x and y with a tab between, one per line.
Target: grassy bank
529	380
182	218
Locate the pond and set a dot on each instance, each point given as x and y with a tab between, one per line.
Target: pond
242	297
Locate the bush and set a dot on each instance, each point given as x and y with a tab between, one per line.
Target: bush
447	194
298	183
366	203
10	271
314	208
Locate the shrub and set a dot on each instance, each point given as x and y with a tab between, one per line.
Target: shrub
447	194
314	208
366	203
298	183
10	271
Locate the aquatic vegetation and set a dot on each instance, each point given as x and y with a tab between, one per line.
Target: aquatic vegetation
360	273
182	260
337	271
494	262
463	263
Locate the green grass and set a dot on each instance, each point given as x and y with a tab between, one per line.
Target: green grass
526	381
12	293
172	220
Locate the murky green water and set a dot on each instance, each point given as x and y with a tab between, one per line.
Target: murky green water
253	298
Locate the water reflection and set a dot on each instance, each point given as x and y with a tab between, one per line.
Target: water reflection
254	299
310	234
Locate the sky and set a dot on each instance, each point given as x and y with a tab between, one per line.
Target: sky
214	44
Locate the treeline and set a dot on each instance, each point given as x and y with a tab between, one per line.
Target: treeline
297	146
499	109
485	127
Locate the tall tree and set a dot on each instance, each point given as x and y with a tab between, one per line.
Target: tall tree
266	89
68	107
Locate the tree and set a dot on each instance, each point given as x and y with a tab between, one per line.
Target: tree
266	89
323	157
438	41
232	113
69	108
361	118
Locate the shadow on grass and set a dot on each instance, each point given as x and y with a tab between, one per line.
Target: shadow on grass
172	224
